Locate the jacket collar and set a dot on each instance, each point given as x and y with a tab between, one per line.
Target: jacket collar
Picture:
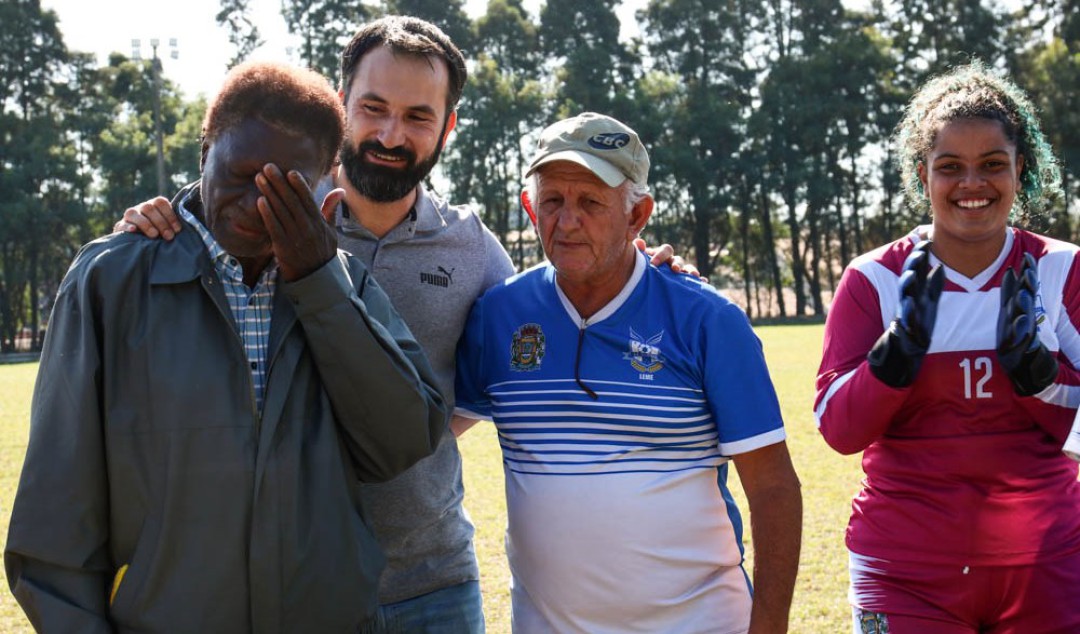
184	258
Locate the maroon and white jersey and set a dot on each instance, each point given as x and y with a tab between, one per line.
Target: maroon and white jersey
959	469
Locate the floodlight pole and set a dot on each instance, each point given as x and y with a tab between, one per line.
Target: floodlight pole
155	66
155	70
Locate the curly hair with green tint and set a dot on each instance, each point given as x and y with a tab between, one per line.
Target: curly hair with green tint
973	91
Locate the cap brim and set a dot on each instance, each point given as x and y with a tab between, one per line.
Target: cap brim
605	171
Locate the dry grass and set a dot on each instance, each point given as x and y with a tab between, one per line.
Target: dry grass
828	481
16	385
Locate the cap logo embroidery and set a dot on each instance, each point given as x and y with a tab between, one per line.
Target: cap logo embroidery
609	140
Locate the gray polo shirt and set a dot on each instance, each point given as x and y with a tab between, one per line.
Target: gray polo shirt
433	266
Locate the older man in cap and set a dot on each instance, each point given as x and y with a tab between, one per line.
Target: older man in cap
620	392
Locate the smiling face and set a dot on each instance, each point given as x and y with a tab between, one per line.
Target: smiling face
395	116
971	176
228	186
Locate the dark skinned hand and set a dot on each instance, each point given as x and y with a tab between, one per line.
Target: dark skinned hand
301	233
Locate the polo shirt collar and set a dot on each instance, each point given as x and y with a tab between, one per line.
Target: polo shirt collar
426	215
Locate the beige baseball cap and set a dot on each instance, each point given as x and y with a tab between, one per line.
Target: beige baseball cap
607	147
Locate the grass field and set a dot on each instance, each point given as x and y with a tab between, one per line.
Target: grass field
828	481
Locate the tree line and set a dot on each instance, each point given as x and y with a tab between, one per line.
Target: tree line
768	122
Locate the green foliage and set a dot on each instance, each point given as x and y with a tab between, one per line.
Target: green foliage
502	104
324	27
35	165
1050	72
448	15
768	122
125	152
930	36
592	65
77	148
704	44
243	33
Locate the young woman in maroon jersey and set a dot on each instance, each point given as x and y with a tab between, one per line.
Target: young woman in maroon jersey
950	361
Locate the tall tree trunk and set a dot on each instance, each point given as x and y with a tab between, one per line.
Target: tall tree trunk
856	213
8	328
702	238
32	279
797	271
744	235
829	255
770	246
813	252
887	204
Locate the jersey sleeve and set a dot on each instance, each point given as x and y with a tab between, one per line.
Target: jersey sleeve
1069	354
1053	408
738	388
470	387
852	407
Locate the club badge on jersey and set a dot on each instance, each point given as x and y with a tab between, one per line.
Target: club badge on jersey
644	354
527	348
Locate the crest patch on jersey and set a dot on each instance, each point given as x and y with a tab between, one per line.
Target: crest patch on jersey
527	348
644	354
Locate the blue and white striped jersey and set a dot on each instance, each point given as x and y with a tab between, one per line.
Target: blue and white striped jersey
616	472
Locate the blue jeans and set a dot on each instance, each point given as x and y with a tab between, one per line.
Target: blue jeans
454	610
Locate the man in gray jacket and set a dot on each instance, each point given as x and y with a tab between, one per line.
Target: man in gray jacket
198	441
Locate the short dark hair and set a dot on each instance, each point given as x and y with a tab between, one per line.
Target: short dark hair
408	36
288	98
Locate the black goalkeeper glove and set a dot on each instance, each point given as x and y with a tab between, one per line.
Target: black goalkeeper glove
898	353
1031	367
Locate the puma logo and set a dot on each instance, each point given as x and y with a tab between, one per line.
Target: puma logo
435	279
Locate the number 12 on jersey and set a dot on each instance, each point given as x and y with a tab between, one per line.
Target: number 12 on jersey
972	379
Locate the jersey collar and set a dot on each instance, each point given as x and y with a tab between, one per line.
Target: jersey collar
616	302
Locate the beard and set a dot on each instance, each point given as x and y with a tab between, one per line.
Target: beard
380	183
